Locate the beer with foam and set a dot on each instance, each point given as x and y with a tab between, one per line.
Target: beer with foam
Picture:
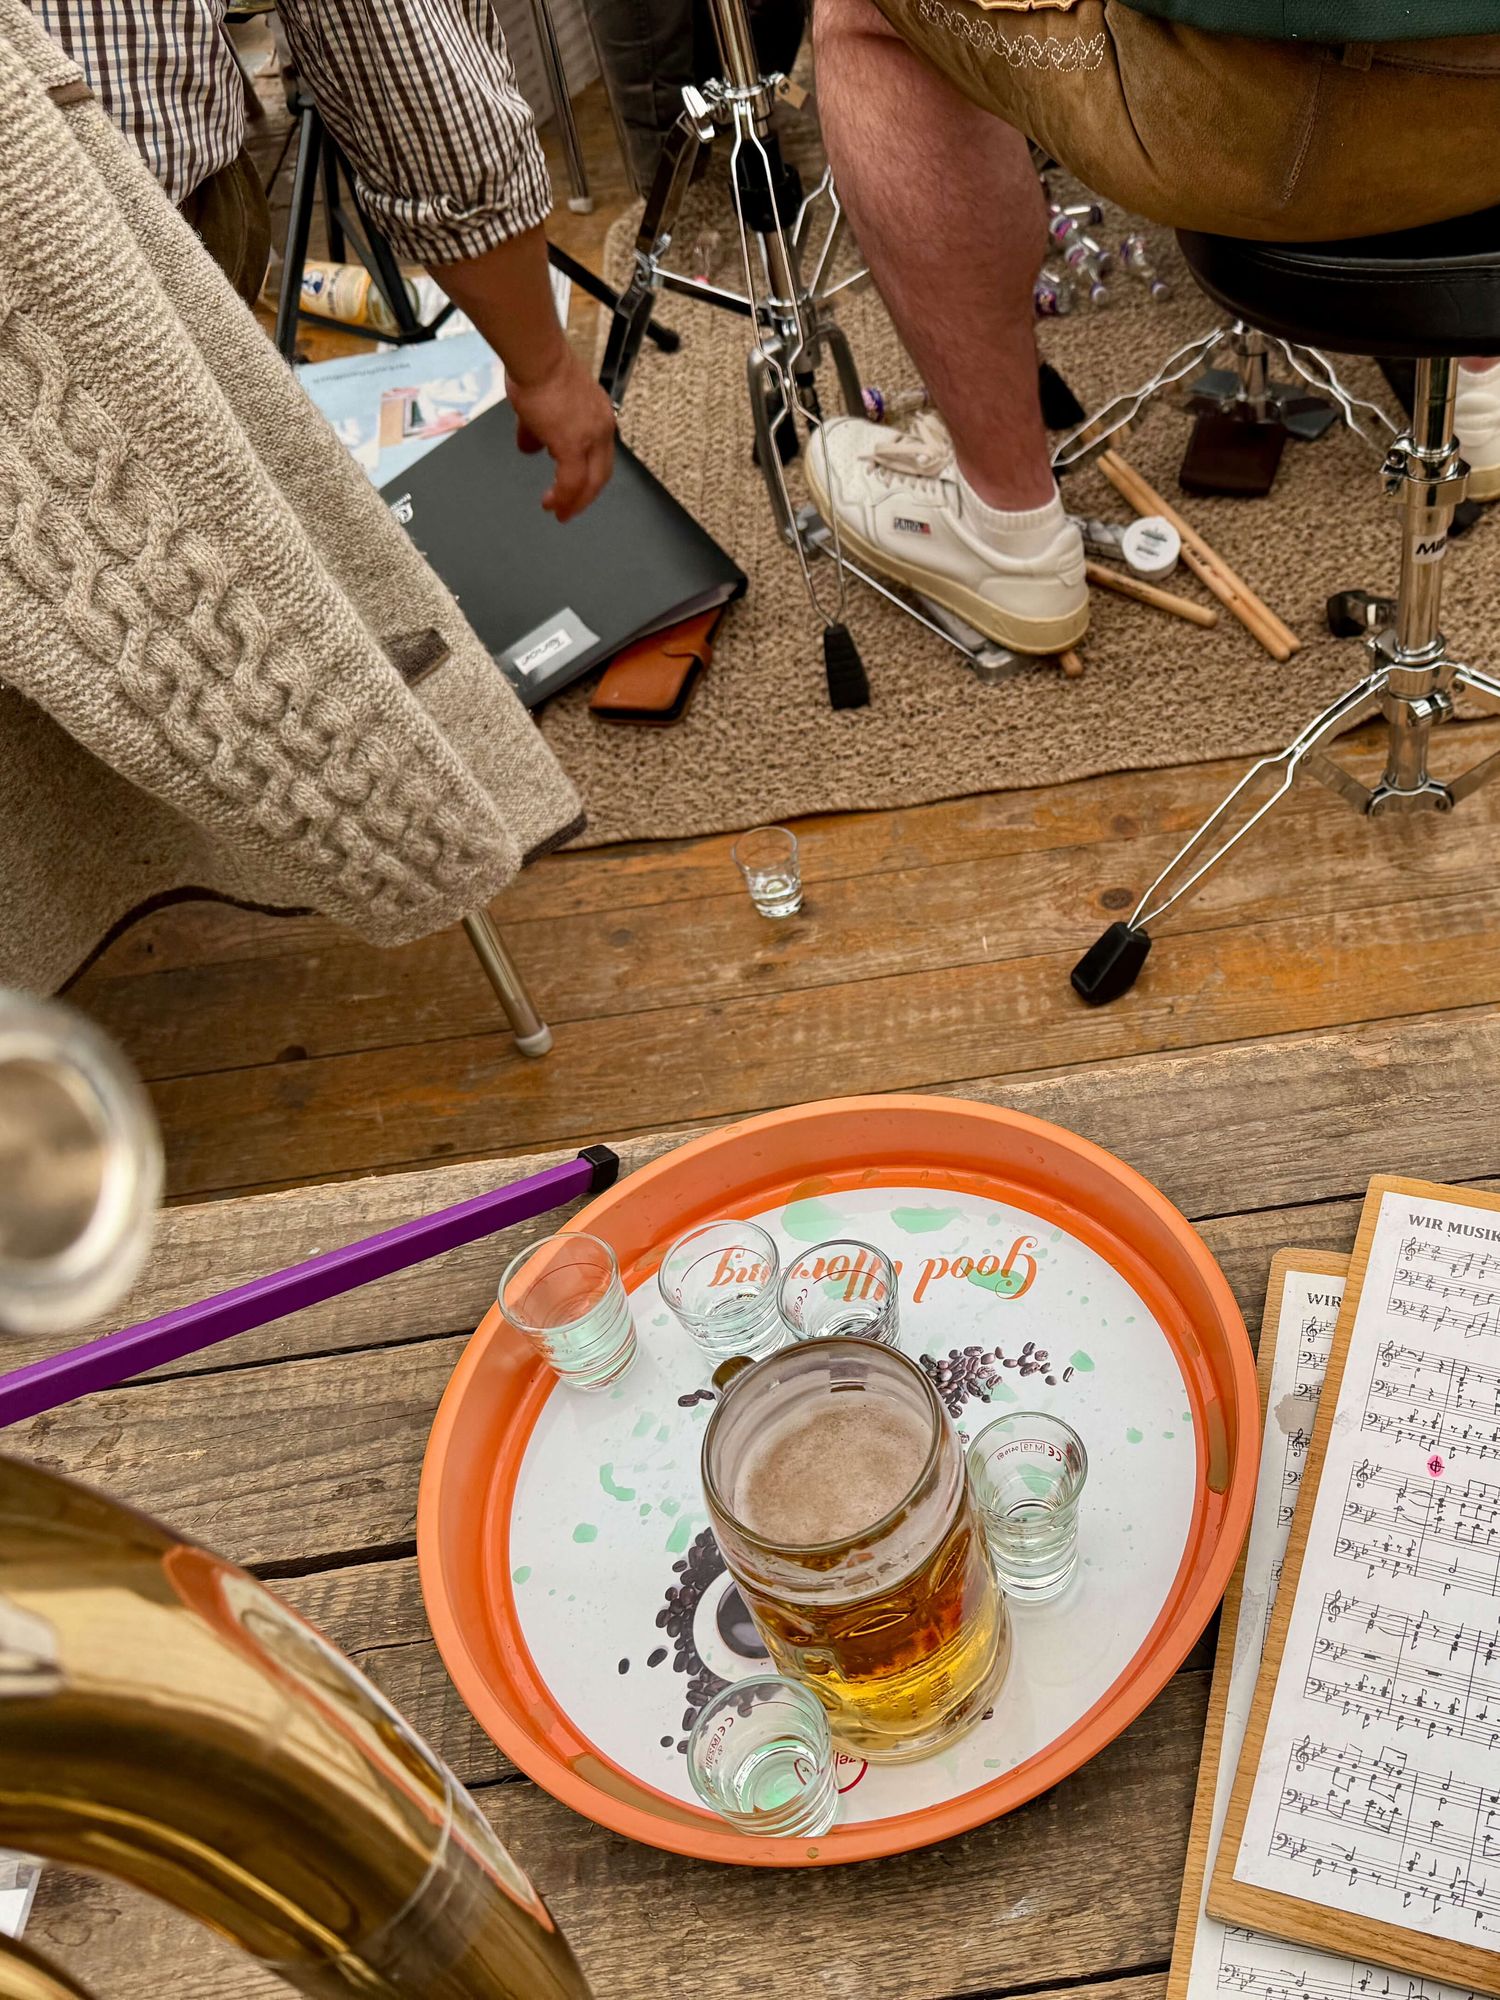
838	1494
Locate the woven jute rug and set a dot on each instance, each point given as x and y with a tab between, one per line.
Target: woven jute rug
760	741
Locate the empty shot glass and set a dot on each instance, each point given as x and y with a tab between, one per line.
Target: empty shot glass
721	1281
566	1296
1028	1471
760	1756
768	860
842	1287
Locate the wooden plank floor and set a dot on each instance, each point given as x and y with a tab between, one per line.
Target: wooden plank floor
933	951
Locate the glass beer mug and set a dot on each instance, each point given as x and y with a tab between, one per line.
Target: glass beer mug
838	1495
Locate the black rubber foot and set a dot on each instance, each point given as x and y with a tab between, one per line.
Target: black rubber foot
1112	966
848	683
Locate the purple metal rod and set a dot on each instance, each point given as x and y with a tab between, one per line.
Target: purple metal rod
116	1357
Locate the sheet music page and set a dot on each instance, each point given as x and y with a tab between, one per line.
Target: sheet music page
1378	1786
1228	1958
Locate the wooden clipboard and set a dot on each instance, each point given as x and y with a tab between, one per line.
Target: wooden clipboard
1184	1940
1303	1919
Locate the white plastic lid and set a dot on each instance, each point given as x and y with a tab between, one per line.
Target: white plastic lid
1151	547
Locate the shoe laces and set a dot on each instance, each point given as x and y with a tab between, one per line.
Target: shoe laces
916	458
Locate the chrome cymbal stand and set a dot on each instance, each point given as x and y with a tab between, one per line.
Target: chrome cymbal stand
1411	684
788	247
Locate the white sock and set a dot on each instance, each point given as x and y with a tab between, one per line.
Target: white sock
1026	531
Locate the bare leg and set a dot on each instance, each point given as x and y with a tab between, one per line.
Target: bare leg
950	218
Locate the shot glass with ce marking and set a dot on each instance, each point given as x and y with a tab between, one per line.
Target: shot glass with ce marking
767	858
1028	1471
760	1756
721	1281
842	1287
566	1296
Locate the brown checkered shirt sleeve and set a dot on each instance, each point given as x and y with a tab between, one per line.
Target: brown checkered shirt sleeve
421	95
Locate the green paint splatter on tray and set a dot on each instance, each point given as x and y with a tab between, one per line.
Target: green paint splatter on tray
1084	1363
520	1575
1133	1436
670	1506
922	1221
811	1221
681	1536
645	1509
664	1431
643	1424
585	1532
1036	1481
615	1492
1169	1434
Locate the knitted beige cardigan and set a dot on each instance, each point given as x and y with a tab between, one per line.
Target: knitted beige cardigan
202	598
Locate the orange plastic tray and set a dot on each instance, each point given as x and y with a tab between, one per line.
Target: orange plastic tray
499	1390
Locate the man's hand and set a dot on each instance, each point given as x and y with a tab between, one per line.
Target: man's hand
567	414
507	292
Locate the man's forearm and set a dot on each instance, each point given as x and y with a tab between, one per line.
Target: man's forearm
559	407
507	292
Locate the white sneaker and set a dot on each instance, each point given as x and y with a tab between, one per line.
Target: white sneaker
1478	423
901	509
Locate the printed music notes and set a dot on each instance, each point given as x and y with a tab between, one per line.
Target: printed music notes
1211	1959
1365	1814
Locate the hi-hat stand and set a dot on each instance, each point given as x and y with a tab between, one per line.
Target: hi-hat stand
788	248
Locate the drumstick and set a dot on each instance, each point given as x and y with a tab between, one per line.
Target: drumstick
1260	623
1147	593
1142	494
1205	562
1071	665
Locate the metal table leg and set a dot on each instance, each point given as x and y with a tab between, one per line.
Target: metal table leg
581	200
533	1036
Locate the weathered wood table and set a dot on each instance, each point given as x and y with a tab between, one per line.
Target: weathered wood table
297	1450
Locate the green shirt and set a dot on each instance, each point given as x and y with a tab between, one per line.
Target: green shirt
1331	20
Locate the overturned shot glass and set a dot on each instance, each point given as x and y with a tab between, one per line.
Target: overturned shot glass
1028	1472
721	1282
566	1296
760	1756
842	1287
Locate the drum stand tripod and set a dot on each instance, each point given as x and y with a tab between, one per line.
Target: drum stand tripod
788	245
1245	389
1411	684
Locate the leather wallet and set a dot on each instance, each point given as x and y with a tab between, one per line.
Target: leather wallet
652	680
